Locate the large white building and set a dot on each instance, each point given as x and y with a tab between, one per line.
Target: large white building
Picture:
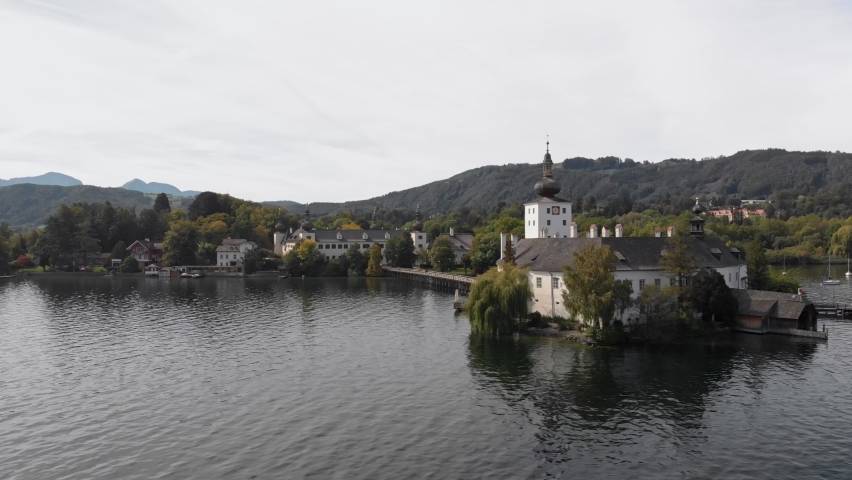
552	238
332	243
232	252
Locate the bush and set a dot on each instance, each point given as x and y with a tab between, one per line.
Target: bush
613	335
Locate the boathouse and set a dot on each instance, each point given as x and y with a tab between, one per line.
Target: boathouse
773	312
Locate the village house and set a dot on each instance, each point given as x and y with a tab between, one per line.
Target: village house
332	243
729	213
146	252
461	243
552	239
232	252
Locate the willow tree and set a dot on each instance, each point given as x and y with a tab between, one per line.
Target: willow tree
499	299
590	283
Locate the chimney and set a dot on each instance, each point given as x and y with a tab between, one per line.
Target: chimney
657	232
147	240
593	231
671	231
619	231
515	241
502	243
572	231
604	232
452	233
291	230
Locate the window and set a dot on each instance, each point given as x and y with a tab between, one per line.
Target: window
381	245
564	222
333	245
547	210
319	246
366	245
419	237
729	277
657	282
555	282
533	223
672	282
641	284
564	210
419	245
548	222
537	282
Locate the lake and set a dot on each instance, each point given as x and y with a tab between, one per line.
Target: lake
376	378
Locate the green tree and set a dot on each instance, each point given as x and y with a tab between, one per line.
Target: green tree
152	224
661	310
129	265
5	256
181	243
841	241
758	266
399	252
422	256
465	260
484	252
678	261
357	260
119	251
590	283
710	295
253	260
441	254
499	300
206	254
161	204
374	267
621	296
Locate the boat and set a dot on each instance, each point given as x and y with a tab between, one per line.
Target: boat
827	279
784	269
848	272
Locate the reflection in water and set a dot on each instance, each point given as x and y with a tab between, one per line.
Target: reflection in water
375	378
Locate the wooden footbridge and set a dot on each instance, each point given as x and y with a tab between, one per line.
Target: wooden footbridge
834	309
437	280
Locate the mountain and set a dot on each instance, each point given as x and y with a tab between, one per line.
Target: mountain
27	205
49	178
154	187
745	174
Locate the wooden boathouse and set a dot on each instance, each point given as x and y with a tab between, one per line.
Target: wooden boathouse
437	280
773	312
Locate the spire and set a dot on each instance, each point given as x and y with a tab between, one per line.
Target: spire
374	225
307	225
418	225
547	186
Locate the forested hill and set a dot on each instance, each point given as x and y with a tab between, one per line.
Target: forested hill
746	174
29	205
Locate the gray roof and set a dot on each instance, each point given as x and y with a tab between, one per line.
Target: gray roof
551	199
639	253
781	305
330	236
460	241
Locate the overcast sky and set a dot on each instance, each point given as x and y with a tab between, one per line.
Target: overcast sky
332	101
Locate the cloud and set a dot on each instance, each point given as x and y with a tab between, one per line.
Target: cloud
348	100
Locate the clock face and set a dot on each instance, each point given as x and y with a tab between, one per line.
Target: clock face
555	210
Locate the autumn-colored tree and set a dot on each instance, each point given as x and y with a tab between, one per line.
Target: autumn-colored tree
374	267
181	243
590	282
350	226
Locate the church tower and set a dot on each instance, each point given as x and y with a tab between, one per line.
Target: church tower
279	236
548	216
418	236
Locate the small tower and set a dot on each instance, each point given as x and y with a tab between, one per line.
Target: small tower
548	215
279	236
417	235
374	225
697	223
306	224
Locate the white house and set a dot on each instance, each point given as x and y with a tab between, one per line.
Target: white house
549	216
233	252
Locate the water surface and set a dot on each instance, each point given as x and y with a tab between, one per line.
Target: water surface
359	378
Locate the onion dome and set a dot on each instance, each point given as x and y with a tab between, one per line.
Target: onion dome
307	225
697	208
418	225
547	186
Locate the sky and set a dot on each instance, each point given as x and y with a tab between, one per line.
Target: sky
335	101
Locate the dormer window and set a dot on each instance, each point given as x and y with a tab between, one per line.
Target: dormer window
364	235
339	236
387	235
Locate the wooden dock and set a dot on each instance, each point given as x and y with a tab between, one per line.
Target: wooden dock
834	309
437	280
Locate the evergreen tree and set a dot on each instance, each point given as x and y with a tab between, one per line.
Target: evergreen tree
758	266
711	296
161	204
119	251
509	252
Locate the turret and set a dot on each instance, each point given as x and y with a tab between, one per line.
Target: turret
418	225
